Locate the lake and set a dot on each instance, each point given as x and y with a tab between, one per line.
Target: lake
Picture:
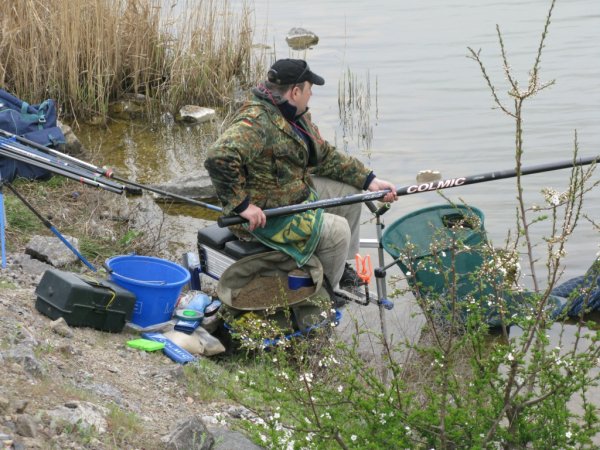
431	107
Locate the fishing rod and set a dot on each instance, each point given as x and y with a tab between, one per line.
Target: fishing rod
109	173
15	148
226	221
50	151
57	169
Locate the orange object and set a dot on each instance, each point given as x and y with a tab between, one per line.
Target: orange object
364	268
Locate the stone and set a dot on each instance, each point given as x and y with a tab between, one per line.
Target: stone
191	434
26	426
196	114
4	404
196	185
226	439
29	265
428	176
60	327
301	39
130	107
20	405
84	415
105	390
25	358
73	145
52	250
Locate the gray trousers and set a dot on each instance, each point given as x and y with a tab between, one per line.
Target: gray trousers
340	238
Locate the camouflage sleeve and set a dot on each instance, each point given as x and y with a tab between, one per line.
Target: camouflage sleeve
335	165
227	158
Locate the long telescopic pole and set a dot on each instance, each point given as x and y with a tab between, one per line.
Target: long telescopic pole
60	171
12	148
108	173
169	194
53	152
413	189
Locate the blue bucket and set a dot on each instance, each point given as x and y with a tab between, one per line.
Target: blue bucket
155	282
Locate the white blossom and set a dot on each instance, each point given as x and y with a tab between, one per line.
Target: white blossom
308	377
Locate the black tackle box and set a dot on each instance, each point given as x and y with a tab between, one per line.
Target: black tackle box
84	301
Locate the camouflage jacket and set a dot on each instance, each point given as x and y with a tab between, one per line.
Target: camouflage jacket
260	159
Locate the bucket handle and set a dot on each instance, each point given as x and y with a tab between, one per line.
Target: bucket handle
110	271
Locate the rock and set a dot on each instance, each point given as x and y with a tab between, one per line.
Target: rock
73	145
26	426
84	415
52	250
196	185
60	327
191	434
226	439
427	176
23	336
105	390
301	39
196	114
25	358
20	405
167	119
238	412
4	404
29	265
130	107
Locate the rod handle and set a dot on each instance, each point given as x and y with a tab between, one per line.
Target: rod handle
227	221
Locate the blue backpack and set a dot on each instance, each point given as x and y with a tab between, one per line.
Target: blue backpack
34	122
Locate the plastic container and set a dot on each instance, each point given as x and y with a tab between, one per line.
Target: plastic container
155	282
441	228
298	279
84	301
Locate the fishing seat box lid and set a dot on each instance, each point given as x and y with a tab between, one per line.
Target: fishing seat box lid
83	301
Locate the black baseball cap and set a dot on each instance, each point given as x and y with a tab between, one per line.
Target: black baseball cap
292	71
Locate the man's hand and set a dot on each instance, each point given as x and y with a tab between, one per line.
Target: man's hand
380	185
255	217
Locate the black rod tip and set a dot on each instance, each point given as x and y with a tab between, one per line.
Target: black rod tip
133	190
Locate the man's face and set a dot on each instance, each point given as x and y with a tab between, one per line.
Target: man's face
300	95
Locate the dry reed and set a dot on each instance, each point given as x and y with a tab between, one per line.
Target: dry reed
86	53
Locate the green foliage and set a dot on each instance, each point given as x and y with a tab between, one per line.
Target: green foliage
18	216
129	237
81	434
208	381
7	284
124	425
480	391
